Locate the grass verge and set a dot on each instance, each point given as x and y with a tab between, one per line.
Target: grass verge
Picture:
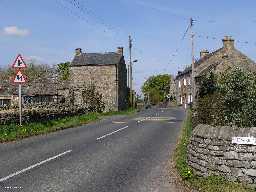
209	184
13	132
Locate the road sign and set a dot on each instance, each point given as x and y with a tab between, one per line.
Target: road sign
19	78
244	140
19	62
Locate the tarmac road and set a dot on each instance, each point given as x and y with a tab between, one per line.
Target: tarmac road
117	154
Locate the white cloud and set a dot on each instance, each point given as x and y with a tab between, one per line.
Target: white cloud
15	31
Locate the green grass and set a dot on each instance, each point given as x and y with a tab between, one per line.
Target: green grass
209	184
129	111
13	131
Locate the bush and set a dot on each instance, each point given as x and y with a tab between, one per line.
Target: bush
227	99
92	99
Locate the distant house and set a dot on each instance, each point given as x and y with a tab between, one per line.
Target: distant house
8	94
184	87
218	61
106	71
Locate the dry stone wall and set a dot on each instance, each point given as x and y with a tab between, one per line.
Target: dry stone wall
211	152
40	114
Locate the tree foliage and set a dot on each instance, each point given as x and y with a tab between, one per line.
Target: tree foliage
157	88
229	99
208	84
64	70
32	72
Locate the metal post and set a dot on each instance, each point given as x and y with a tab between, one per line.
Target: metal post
20	105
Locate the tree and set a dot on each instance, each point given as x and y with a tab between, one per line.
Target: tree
238	90
157	88
208	84
64	70
228	99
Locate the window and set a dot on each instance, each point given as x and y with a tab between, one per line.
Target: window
190	98
184	82
189	81
181	100
179	84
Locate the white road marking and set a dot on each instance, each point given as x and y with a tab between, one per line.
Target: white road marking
112	133
118	122
155	118
33	166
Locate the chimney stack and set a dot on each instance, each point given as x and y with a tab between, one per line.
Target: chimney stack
228	42
203	53
120	51
78	51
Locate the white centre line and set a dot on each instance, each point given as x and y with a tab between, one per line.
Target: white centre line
112	133
33	166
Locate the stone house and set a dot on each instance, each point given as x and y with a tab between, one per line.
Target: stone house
218	61
221	60
183	87
106	71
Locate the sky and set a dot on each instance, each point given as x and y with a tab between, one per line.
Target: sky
48	31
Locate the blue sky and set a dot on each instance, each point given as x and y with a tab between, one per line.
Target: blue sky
50	30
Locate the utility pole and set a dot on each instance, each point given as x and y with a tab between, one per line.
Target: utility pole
130	70
193	58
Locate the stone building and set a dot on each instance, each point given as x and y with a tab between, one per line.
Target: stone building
183	87
218	61
106	71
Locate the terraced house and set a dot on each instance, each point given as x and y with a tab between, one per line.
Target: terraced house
218	61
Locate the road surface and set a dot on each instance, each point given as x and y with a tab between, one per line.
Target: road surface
116	154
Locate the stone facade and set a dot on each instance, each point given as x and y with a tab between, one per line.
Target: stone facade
218	61
211	152
107	72
183	87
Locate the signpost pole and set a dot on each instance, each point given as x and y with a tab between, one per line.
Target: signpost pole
19	65
20	104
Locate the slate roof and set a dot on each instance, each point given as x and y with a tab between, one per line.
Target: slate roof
96	59
184	72
234	56
206	57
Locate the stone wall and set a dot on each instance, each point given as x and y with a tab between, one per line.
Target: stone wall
211	152
40	114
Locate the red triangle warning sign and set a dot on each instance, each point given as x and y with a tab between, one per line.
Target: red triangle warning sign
19	62
19	78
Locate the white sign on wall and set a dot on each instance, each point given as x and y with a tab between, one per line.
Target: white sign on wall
244	140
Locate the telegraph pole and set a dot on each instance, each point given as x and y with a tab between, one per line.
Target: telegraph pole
130	70
193	58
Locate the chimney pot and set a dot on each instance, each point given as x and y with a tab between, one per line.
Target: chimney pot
228	42
120	51
203	53
78	51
